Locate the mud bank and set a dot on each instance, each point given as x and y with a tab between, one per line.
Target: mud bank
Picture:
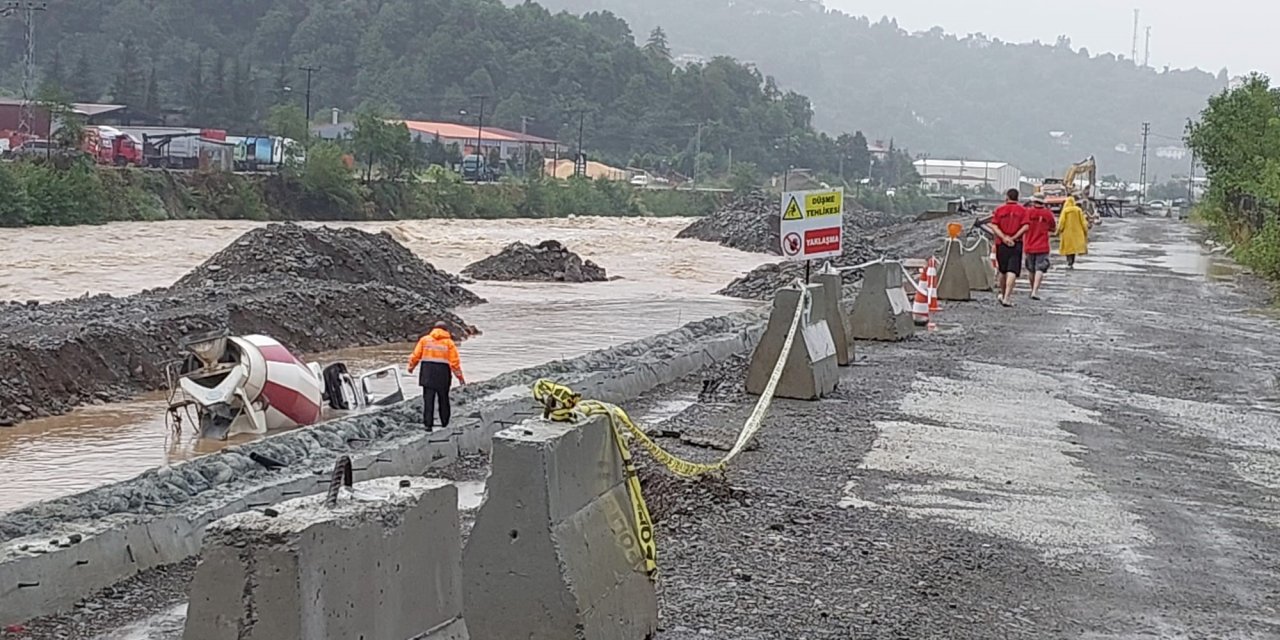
77	545
314	290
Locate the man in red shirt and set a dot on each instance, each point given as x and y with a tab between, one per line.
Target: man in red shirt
1009	224
1040	224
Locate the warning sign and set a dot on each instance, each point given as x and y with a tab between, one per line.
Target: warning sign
791	245
815	229
793	212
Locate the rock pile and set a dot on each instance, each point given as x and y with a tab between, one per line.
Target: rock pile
900	240
747	223
548	261
316	294
332	255
750	223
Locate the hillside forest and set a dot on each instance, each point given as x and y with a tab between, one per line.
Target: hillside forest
226	64
1039	105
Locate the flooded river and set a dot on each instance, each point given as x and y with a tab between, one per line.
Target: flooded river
665	283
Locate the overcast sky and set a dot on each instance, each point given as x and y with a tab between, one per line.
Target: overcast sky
1210	34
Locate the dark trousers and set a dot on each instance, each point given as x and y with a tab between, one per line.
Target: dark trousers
432	396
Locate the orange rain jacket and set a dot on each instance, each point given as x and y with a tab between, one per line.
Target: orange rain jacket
439	357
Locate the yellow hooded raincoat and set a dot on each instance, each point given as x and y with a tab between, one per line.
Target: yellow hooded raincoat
1073	230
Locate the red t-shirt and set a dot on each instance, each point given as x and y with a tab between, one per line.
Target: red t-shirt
1009	218
1040	223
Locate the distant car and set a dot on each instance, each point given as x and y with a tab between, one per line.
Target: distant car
37	149
31	149
640	180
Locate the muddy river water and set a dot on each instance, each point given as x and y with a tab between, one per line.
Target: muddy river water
665	283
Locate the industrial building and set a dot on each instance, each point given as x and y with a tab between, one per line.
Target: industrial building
509	144
967	175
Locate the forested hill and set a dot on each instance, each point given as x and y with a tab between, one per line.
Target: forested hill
951	96
226	62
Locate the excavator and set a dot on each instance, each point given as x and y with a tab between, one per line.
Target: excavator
1055	192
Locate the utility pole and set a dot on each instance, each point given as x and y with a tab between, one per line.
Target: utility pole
1146	56
480	125
1134	53
1142	194
580	161
524	133
28	9
697	155
310	70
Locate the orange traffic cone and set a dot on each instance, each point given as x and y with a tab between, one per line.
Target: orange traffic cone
934	307
920	306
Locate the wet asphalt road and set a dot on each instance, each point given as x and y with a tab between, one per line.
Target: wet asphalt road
1101	464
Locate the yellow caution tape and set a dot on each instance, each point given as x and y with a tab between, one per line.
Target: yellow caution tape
562	404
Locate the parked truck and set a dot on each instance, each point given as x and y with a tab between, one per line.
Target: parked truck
259	153
108	145
184	148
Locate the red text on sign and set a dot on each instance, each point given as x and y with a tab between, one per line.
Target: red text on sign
821	240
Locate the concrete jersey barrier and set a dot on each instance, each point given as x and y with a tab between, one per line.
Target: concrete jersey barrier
953	281
552	554
833	312
79	545
382	563
881	311
811	370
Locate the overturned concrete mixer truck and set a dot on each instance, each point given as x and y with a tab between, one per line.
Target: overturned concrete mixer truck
253	384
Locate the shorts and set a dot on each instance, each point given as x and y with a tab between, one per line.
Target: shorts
1009	259
1038	262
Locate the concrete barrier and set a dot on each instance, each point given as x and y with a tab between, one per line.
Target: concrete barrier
882	311
977	265
382	563
811	370
834	313
553	553
69	557
953	281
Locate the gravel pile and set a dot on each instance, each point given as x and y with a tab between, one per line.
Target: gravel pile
312	290
746	223
548	261
893	239
331	255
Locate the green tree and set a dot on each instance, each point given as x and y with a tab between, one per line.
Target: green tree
13	206
388	144
129	85
657	45
83	82
325	175
288	121
745	178
152	102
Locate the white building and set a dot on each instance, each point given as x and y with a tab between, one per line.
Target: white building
967	175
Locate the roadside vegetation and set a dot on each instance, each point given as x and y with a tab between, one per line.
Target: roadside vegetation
1237	139
77	192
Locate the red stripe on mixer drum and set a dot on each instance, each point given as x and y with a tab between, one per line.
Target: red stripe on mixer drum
294	405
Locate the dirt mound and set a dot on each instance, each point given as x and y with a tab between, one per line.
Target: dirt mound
900	240
746	223
750	223
333	255
312	289
548	261
107	349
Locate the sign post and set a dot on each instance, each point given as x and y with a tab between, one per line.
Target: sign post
812	225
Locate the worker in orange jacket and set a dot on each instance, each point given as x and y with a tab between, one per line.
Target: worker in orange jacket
438	356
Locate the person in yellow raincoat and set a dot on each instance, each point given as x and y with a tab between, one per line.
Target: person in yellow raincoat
1073	232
